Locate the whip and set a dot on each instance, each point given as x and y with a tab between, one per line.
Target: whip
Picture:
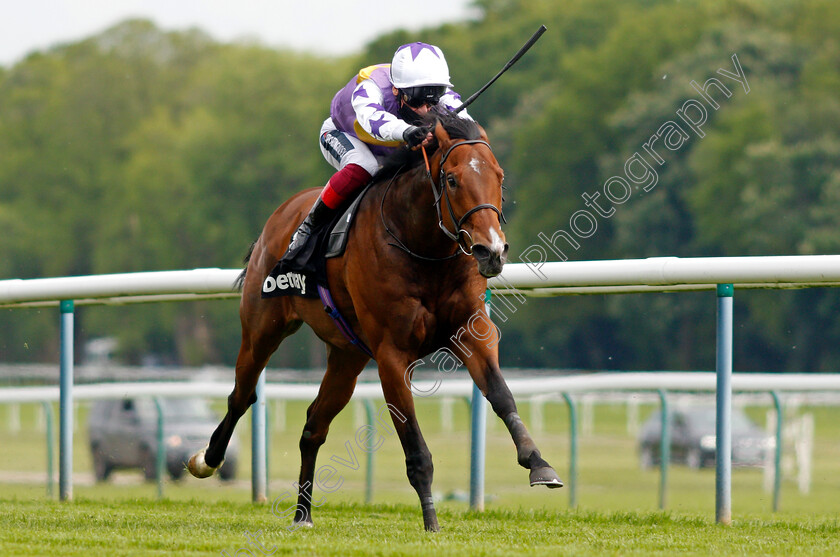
512	61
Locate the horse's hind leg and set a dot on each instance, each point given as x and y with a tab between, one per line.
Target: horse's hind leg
343	367
252	359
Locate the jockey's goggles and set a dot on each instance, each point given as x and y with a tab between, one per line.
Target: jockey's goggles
415	97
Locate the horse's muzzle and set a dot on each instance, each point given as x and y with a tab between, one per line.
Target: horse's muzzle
490	261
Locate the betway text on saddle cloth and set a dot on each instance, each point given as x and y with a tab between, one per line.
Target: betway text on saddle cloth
295	281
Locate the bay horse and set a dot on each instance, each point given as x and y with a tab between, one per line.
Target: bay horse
412	276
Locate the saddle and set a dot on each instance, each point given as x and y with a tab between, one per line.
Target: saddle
330	241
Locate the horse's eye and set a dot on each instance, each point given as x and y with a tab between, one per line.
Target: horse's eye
453	183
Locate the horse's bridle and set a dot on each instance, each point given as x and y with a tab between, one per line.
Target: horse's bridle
441	191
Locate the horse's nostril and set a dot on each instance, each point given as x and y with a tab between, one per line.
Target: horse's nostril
481	252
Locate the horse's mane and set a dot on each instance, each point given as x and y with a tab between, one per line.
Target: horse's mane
403	160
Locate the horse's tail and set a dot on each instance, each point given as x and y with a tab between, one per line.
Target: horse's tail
240	280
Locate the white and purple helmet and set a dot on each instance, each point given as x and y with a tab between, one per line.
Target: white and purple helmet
418	65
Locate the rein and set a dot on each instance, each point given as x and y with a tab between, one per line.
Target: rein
441	193
400	243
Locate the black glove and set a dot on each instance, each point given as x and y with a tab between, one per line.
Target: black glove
414	136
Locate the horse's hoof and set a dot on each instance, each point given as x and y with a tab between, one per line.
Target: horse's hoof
199	468
545	476
302	524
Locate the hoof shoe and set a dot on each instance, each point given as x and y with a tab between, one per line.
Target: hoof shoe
545	476
199	468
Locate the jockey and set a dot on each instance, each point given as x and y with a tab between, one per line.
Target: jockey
370	117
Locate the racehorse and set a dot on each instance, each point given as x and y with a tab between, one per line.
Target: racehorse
412	275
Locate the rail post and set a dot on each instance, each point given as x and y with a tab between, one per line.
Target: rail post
477	449
572	450
160	455
65	407
723	429
478	432
371	448
267	441
48	412
664	449
777	456
258	452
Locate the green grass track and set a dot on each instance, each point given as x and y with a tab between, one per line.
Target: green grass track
143	527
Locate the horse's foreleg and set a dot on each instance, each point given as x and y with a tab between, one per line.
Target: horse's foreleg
336	389
527	453
418	458
482	363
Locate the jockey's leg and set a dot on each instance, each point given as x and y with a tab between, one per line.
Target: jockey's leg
343	183
342	150
355	164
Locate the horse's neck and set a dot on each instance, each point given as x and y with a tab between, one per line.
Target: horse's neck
410	208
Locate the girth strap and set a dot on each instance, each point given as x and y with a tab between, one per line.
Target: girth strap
340	322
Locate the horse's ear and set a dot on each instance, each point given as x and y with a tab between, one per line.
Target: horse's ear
482	133
442	136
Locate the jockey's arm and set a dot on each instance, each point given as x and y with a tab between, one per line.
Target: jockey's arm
372	116
452	100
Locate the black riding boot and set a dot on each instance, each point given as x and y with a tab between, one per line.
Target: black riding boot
301	248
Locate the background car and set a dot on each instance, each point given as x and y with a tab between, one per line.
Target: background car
123	434
693	438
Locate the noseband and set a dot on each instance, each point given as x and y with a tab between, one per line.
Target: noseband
442	192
